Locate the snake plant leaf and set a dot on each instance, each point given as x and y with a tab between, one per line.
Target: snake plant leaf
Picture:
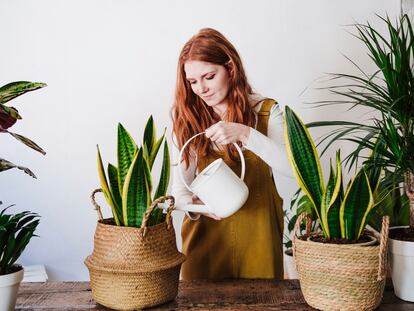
335	203
6	165
355	207
126	150
135	194
162	183
114	187
368	210
146	152
149	134
155	149
329	196
333	218
105	188
147	168
304	159
165	173
28	142
15	89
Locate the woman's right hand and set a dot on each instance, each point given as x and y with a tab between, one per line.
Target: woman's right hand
196	200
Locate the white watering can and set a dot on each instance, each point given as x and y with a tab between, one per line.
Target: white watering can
217	186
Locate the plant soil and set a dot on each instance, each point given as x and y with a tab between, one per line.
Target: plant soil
108	221
402	234
13	269
362	239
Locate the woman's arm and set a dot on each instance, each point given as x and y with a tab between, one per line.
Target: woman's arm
271	148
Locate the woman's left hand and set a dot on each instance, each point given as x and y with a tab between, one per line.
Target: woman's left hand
223	133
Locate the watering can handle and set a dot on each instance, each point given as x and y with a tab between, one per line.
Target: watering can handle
243	164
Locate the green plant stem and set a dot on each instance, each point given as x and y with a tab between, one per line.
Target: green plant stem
409	190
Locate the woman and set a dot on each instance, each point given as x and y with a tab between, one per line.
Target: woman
213	96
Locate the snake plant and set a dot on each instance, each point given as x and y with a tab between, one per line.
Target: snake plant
16	230
342	213
9	116
128	186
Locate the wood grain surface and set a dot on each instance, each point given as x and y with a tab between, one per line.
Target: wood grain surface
193	295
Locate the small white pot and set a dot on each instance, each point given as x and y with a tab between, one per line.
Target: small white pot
289	266
402	268
9	286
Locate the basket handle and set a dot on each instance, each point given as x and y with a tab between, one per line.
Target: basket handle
96	205
148	212
299	220
382	262
296	231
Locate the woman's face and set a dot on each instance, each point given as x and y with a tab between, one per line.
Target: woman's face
210	82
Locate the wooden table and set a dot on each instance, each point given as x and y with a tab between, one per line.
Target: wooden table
199	295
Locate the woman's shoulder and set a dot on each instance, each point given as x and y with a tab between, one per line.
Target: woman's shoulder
257	100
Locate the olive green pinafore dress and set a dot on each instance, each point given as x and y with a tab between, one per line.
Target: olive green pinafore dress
247	244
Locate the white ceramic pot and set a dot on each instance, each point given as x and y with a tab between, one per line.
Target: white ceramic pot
9	286
289	266
402	268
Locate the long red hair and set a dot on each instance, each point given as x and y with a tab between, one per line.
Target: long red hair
190	114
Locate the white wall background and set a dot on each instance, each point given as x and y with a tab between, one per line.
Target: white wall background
110	61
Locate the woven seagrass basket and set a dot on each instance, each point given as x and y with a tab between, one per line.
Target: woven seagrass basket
341	277
133	268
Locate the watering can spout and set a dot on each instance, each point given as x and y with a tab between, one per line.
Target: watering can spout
194	208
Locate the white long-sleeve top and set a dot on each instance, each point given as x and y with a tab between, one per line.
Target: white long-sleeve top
270	149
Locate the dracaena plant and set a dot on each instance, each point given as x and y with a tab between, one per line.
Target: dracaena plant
9	115
389	93
342	213
16	230
128	186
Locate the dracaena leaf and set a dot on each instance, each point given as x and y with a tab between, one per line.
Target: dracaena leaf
15	233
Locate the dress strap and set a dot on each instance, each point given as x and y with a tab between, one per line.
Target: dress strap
263	115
